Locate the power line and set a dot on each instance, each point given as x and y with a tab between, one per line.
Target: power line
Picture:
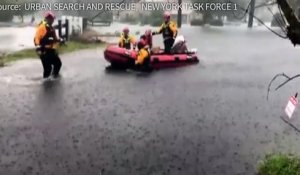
277	20
259	20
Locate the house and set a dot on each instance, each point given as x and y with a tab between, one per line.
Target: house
186	15
118	15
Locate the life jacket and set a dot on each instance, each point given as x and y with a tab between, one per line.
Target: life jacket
126	41
50	37
148	53
166	31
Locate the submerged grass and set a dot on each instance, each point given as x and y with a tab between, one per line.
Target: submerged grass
280	164
30	53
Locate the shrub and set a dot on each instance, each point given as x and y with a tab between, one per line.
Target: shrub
216	22
154	19
6	16
1	60
156	22
145	20
280	165
197	22
130	19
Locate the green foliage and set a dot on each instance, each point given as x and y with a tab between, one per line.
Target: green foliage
1	61
30	53
7	15
280	165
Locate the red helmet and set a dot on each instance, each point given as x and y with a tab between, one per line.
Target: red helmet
148	32
126	30
50	15
141	43
167	16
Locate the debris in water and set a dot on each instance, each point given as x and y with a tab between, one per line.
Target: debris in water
291	106
282	84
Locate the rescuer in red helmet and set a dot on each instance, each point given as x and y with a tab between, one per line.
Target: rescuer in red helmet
127	40
169	31
46	43
143	57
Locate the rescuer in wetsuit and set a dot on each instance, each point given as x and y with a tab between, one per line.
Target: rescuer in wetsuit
169	31
46	43
126	40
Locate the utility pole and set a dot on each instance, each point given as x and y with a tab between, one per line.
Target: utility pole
251	14
179	14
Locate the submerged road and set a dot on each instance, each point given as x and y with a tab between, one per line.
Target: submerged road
209	119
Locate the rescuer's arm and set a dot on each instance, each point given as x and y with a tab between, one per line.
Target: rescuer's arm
159	30
39	35
121	42
133	42
57	41
173	28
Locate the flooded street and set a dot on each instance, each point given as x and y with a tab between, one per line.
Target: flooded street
208	119
14	39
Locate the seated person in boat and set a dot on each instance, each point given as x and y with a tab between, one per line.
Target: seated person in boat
143	57
126	40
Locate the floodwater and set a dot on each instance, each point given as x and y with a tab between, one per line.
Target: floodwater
14	39
210	118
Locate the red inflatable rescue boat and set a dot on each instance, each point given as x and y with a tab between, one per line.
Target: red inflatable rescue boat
121	57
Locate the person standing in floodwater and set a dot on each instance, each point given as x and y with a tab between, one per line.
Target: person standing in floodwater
46	43
32	20
169	31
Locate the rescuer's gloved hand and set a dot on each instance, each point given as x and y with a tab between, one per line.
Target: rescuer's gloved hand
40	50
137	65
62	41
51	39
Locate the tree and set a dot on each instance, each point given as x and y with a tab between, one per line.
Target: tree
7	15
237	14
21	13
207	14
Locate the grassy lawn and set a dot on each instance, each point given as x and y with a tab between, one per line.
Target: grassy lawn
70	46
280	165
